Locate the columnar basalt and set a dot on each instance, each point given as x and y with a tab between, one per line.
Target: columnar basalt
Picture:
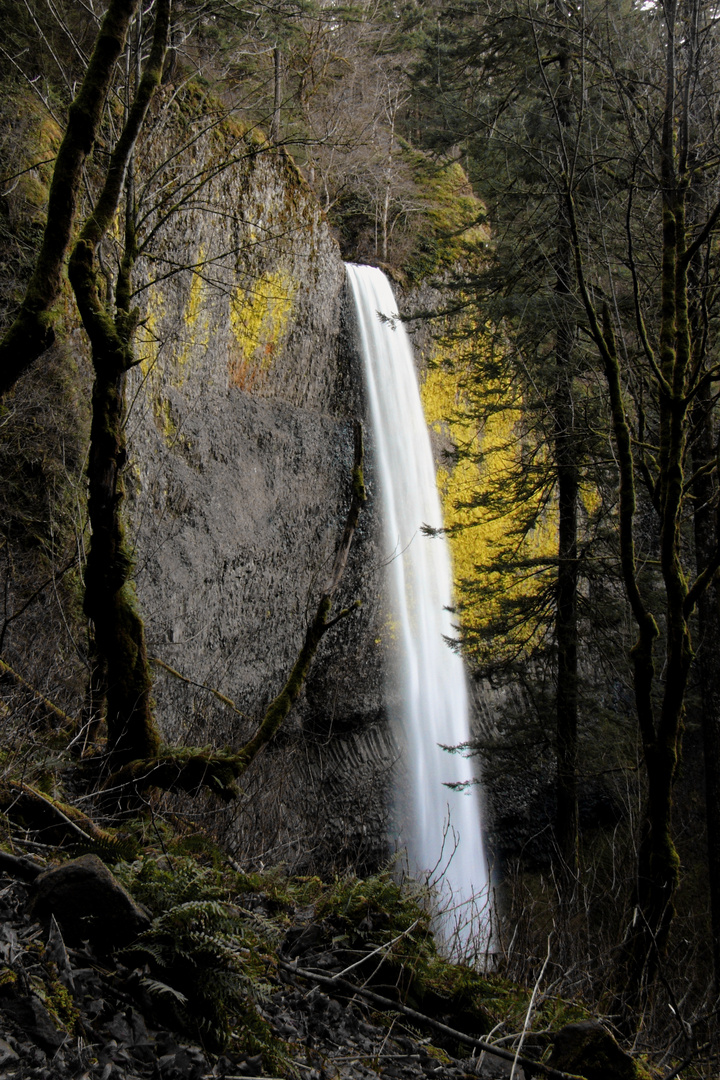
241	446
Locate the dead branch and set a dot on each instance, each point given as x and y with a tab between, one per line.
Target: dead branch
333	982
202	686
45	709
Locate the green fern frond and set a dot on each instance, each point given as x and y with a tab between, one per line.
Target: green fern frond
156	987
198	953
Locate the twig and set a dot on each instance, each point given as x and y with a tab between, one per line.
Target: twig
380	948
53	579
396	1006
528	1014
50	712
202	686
676	1072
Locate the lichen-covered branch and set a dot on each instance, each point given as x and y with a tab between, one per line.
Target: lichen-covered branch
43	708
57	822
202	686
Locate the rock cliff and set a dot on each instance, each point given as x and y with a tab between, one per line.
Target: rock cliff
240	437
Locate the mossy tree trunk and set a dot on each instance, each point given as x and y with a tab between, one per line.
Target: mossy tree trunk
706	542
703	453
706	527
32	331
110	601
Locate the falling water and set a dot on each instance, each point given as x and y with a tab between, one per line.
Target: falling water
432	694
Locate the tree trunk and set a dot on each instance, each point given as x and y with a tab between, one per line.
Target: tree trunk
275	127
110	601
567	471
706	540
703	455
566	704
32	332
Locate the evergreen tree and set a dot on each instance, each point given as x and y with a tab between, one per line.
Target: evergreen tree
609	132
508	117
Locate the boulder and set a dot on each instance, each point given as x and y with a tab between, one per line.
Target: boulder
89	903
589	1050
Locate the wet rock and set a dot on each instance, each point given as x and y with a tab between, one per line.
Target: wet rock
490	1067
56	951
7	1054
33	1019
588	1049
89	903
181	1065
251	1066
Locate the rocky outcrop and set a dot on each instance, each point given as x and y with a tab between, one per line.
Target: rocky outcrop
65	1013
588	1049
240	438
89	904
330	997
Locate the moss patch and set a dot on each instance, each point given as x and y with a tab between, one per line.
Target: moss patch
258	323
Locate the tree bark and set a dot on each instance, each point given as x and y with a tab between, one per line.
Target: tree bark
706	543
277	103
706	529
110	601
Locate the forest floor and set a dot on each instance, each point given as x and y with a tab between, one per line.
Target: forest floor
171	963
78	1012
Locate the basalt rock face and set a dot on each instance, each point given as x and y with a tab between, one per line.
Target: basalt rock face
241	446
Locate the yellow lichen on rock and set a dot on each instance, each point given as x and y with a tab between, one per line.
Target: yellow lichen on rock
197	322
258	323
147	336
172	367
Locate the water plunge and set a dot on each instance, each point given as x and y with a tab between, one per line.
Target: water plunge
443	824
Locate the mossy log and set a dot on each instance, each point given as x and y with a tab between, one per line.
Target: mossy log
57	822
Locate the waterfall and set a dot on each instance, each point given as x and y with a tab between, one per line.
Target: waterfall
431	693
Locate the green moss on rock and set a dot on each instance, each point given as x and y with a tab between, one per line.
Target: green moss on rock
587	1049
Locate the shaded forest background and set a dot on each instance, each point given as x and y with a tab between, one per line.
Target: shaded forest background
552	170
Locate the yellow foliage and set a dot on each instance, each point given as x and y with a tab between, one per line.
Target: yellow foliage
477	533
258	321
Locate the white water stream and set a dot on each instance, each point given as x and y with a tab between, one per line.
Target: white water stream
443	824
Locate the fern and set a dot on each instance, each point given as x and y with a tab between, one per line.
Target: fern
200	962
155	987
162	884
206	958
